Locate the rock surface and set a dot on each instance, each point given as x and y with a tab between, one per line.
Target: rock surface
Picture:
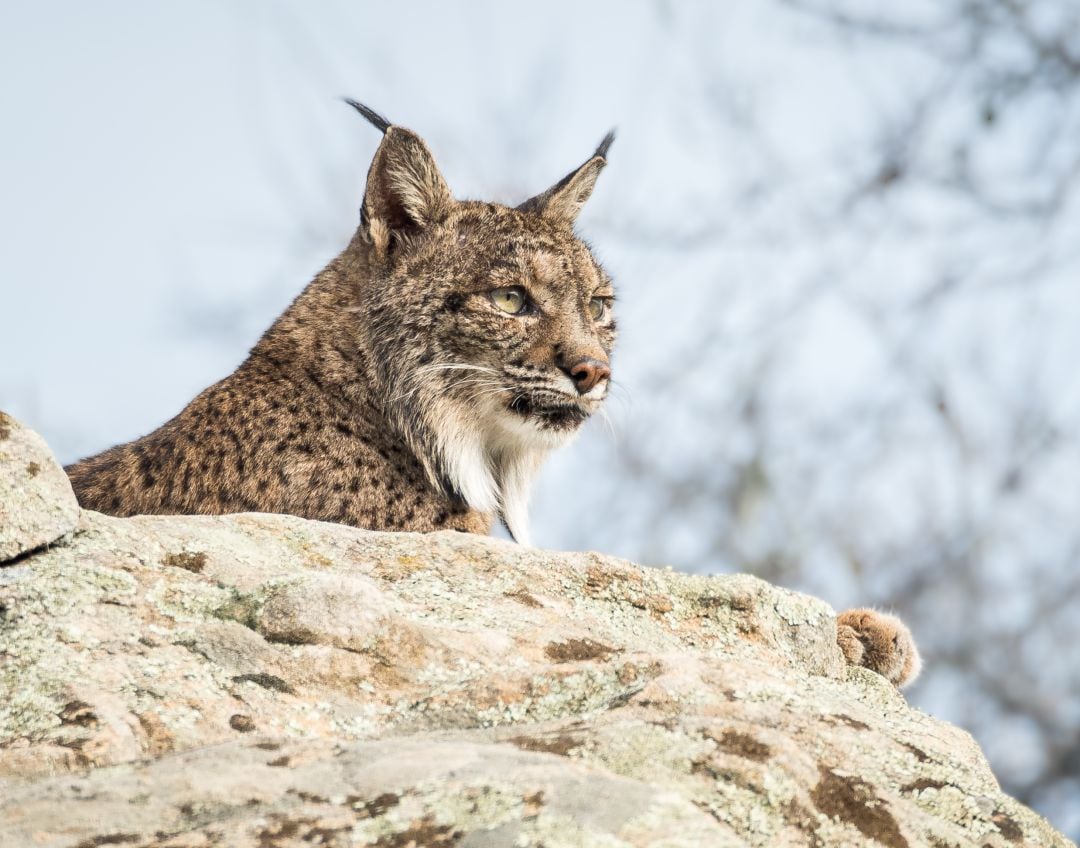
261	680
37	506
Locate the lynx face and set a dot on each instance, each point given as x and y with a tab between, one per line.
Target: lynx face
491	327
505	314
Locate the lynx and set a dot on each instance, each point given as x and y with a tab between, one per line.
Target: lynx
417	383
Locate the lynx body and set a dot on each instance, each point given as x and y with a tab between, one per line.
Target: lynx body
416	384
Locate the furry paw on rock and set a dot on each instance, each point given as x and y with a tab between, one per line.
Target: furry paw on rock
880	642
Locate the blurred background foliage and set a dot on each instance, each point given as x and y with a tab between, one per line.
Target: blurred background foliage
846	239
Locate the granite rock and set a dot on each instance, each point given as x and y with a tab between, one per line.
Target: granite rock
262	680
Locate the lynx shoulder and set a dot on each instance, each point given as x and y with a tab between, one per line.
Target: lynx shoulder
417	383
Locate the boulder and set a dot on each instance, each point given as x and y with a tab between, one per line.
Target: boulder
37	506
262	680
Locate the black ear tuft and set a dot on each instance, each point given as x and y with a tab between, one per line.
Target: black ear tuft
405	192
605	145
374	117
563	201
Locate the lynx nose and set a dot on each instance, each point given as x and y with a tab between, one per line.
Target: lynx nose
587	373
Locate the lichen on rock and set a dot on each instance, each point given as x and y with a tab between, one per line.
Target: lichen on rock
257	680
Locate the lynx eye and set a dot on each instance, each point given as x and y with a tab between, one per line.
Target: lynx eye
510	299
597	308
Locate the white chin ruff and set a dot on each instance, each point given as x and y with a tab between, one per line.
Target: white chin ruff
511	427
492	458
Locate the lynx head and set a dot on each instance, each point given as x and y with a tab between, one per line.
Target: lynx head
491	327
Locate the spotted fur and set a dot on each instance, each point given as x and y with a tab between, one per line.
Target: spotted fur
393	394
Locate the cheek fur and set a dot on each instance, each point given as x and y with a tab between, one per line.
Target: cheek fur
480	333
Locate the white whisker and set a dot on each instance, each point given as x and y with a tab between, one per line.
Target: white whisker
603	414
440	367
454	366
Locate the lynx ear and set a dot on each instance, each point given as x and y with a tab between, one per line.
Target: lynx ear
563	201
405	191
